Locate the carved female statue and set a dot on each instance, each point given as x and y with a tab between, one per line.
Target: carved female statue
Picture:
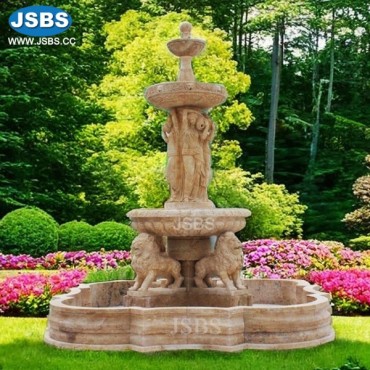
198	132
188	134
171	135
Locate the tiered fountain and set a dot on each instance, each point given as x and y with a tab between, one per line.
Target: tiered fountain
188	293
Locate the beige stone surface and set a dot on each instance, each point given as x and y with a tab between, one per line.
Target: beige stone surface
188	222
188	133
169	95
193	297
268	325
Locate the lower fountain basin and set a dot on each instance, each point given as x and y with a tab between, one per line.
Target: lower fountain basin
285	314
169	95
188	222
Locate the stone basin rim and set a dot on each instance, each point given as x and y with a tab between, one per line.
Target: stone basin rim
188	212
318	297
177	94
188	86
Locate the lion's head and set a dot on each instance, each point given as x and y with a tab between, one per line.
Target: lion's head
146	246
228	247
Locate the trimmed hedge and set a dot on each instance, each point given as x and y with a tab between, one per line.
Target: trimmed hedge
112	235
75	235
28	230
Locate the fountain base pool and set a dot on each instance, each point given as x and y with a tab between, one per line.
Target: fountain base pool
283	314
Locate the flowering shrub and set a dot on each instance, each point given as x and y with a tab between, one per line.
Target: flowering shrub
350	289
30	294
65	260
296	258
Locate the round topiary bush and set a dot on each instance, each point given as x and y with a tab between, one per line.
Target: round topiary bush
28	230
76	235
113	235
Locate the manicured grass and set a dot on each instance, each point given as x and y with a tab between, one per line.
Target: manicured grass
7	273
22	347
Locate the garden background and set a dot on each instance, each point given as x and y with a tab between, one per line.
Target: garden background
80	147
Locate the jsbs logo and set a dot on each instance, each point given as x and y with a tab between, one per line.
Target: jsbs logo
40	21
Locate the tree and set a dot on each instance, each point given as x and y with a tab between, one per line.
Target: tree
360	218
43	106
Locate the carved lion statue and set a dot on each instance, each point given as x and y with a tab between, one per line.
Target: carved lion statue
150	261
226	262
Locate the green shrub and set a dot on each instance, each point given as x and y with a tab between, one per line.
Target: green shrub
275	212
113	235
121	273
361	243
75	235
28	231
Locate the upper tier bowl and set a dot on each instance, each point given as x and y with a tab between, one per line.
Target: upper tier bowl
169	95
186	47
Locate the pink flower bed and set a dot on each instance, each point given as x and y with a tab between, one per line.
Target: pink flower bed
269	258
29	294
54	261
350	289
341	271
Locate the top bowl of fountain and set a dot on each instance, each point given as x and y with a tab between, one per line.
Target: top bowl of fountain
186	46
186	91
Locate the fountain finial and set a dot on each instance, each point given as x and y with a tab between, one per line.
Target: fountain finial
185	30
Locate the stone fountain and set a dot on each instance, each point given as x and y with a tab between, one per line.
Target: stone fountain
188	292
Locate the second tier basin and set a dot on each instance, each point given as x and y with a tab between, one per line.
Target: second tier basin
188	222
169	95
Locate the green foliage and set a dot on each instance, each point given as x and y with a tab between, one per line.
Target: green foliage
43	105
28	231
75	235
121	273
361	243
343	145
112	235
275	212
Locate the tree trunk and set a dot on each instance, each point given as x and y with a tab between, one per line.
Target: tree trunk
315	67
331	76
275	87
235	32
315	134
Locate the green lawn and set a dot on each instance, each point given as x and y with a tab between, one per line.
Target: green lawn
22	347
